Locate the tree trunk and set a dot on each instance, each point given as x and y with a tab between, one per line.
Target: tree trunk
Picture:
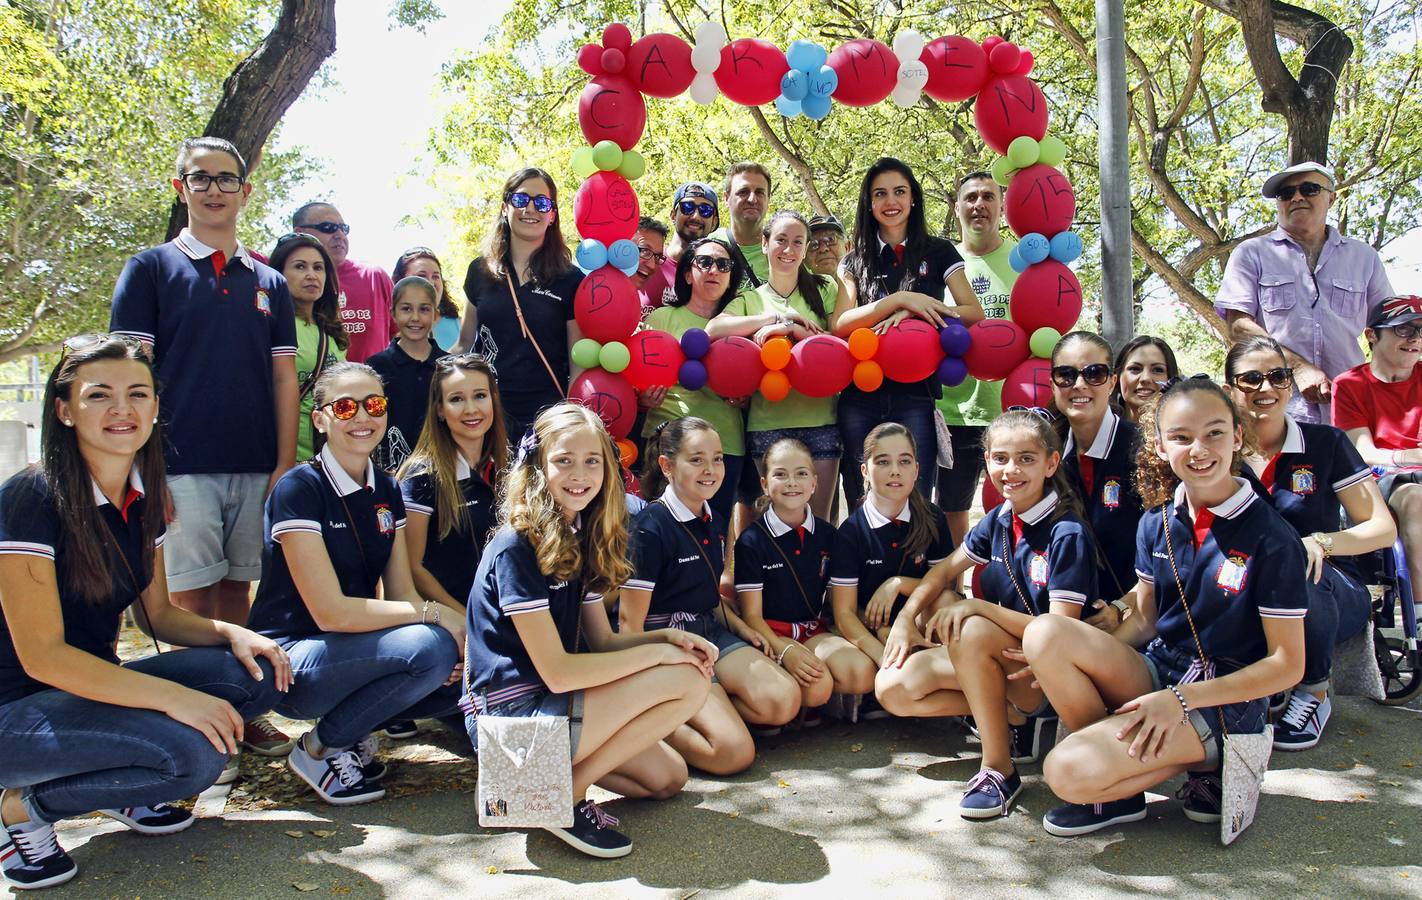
265	84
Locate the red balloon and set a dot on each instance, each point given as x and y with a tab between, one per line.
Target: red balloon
1008	107
656	359
608	395
611	109
590	59
1030	384
820	366
733	367
1046	295
957	68
607	306
617	35
998	346
910	351
606	208
750	71
660	65
867	70
1039	199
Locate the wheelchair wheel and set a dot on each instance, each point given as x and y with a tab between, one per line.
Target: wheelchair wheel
1401	678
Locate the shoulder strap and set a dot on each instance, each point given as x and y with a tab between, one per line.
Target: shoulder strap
310	383
804	595
527	333
1007	562
360	545
753	278
1185	604
715	579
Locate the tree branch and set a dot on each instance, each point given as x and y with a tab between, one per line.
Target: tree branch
797	164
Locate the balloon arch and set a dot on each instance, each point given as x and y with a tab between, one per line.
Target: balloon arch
1011	116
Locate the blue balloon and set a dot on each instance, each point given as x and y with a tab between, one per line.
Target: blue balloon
794	85
823	81
816	106
1065	246
1033	248
622	255
1015	260
591	255
952	371
695	343
692	375
954	339
629	271
807	56
789	108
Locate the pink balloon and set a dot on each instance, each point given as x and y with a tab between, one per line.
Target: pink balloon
733	367
1024	66
617	35
660	65
605	208
1004	58
1040	199
1008	107
1046	295
606	306
611	109
1029	384
957	68
998	346
910	351
608	395
656	360
590	59
750	71
867	70
820	366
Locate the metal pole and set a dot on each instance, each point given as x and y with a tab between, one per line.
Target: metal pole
1117	307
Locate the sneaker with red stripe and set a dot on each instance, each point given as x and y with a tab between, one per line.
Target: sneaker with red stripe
337	778
160	818
30	857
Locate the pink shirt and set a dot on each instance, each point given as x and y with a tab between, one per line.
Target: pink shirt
657	290
365	308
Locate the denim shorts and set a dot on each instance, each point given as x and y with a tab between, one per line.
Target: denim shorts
1168	665
703	625
216	532
537	703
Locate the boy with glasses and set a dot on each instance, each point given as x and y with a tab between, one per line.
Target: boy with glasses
365	289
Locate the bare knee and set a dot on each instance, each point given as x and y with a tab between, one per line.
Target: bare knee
780	700
892	693
1073	773
857	676
977	636
669	778
730	754
1045	635
817	694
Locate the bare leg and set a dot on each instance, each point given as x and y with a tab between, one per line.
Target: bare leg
976	653
958	527
626	717
1092	766
827	484
12	809
656	773
1084	671
715	739
927	685
234	601
762	692
850	669
1406	506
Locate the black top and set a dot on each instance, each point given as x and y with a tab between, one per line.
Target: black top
1112	506
407	389
453	559
793	592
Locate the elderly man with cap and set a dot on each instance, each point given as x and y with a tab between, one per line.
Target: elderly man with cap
826	246
1305	285
694	215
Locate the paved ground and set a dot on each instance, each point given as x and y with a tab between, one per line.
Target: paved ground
837	811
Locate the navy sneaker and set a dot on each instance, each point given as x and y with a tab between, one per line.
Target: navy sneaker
870	710
1202	796
1027	739
592	832
401	729
160	818
30	857
1301	725
372	769
990	794
1084	818
338	778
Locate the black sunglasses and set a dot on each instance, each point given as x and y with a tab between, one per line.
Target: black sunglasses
1308	189
329	227
707	263
692	208
1252	380
1169	383
1094	375
296	236
520	200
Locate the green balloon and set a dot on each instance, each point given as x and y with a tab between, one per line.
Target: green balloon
1002	170
1022	152
1052	151
633	166
586	353
1043	341
961	391
583	165
614	356
606	155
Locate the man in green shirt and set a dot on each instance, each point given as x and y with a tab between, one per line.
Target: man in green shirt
748	200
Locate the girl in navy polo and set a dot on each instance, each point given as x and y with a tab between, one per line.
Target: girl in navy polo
782	572
1307	471
407	367
1141	716
537	597
80	540
335	531
1037	558
678	556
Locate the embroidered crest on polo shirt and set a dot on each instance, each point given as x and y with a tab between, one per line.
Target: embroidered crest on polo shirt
264	302
923	269
1303	480
384	519
1111	493
1037	569
1232	572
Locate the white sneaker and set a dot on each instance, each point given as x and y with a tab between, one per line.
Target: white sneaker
337	778
231	769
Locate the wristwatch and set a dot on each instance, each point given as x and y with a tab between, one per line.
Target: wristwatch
1325	543
1122	606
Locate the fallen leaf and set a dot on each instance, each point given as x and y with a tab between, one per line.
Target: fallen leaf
322	833
492	870
198	858
1031	840
340	889
1408	765
1389	782
306	887
855	748
295	834
735	814
1311	869
782	783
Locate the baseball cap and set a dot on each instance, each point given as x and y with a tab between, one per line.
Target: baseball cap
1275	181
826	222
1395	311
705	189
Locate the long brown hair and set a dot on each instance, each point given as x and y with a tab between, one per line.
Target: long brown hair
1045	435
436	452
807	283
552	259
1155	480
326	311
923	526
86	569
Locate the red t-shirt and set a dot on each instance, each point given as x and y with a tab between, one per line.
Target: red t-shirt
1392	411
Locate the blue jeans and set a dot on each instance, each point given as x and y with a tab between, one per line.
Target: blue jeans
72	756
858	415
354	683
1338	608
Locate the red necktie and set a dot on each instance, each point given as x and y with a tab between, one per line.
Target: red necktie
899	252
1268	475
1088	471
1203	520
1016	529
219	262
800	532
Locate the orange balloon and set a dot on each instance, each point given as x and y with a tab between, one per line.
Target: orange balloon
863	344
775	354
627	452
775	386
868	376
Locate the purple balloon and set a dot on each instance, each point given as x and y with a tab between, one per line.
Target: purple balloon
695	343
955	340
692	373
952	370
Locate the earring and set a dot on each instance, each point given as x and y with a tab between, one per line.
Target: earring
69	422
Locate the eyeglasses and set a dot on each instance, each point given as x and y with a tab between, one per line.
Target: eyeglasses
346	407
1253	380
1169	383
707	263
520	200
1094	375
654	256
1405	331
201	181
328	227
692	208
1308	189
824	243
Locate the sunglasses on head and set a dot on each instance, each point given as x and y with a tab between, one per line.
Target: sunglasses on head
1040	412
85	341
329	227
1307	189
692	208
1094	375
520	200
706	263
1251	381
345	408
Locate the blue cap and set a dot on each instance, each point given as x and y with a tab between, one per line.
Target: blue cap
705	190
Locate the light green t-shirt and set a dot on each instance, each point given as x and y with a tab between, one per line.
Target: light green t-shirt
754	254
796	410
979	402
308	338
705	403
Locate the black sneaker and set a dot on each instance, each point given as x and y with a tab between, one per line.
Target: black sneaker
30	857
160	818
1202	797
1027	738
401	729
592	833
1084	818
372	769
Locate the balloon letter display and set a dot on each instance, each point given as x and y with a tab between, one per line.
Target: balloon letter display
606	306
1009	107
1047	295
820	366
608	395
1030	384
656	360
867	70
957	68
998	346
611	109
910	351
660	64
1040	199
605	208
750	71
734	367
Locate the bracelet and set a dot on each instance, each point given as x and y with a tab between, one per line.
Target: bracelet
780	660
1184	707
425	613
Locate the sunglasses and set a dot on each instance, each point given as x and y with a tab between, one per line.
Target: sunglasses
1405	331
823	243
1169	383
329	227
346	407
85	341
296	236
1307	189
520	200
692	208
707	263
1253	380
1094	375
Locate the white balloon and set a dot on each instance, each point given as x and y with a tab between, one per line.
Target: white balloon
705	58
913	74
906	96
908	45
711	33
703	88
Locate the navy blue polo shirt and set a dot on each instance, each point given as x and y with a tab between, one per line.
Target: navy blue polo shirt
1251	564
793	592
30	526
407	391
671	547
509	583
1051	560
316	498
214	335
453	559
1303	481
867	550
1113	508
